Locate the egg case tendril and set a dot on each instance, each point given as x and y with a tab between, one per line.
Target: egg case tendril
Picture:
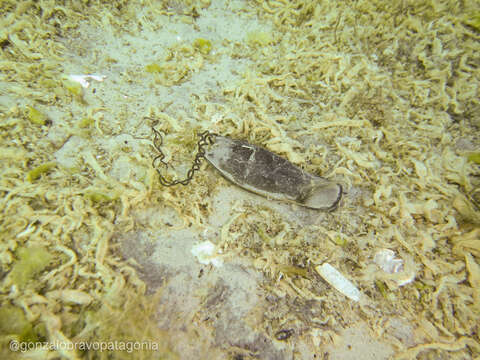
205	138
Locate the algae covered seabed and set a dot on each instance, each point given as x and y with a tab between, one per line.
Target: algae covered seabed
380	96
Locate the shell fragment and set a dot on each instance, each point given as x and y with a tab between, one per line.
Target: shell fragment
386	260
206	253
83	79
265	173
338	281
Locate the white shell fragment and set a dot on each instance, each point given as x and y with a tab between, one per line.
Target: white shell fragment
206	254
386	260
265	173
338	281
83	79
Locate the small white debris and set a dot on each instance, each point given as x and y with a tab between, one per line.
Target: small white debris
386	260
338	281
206	254
30	229
83	79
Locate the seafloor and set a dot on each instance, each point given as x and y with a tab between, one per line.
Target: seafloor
380	96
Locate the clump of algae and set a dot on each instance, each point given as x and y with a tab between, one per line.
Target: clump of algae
131	320
153	68
203	45
14	324
259	38
474	157
31	262
181	61
35	116
474	21
75	89
38	171
86	122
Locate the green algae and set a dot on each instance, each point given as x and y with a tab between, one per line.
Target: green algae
35	173
75	89
291	270
13	323
31	261
99	197
203	45
474	21
340	241
259	38
474	157
86	122
35	116
153	68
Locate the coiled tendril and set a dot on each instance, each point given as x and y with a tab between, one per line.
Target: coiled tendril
206	138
